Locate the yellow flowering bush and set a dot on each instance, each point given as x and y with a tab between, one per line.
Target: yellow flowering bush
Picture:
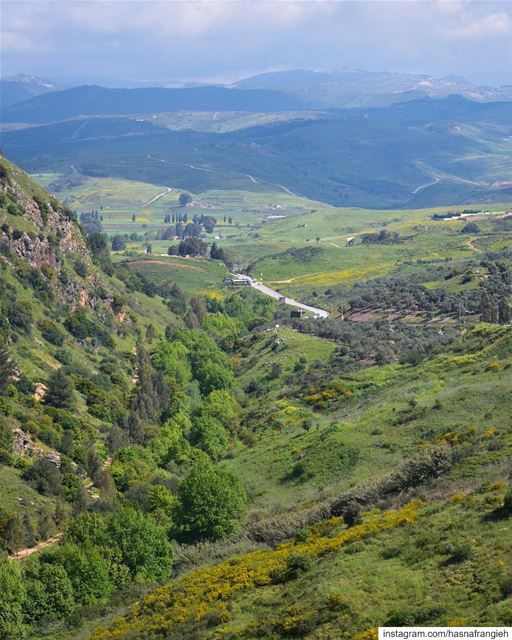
208	590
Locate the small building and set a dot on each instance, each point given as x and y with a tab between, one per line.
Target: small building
297	313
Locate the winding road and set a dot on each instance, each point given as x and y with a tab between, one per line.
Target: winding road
262	288
424	186
164	193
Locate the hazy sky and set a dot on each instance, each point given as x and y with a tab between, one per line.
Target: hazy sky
180	40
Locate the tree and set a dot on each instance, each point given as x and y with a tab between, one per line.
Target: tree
87	528
209	435
45	523
60	391
28	531
504	311
488	308
211	503
51	592
213	376
184	199
470	227
87	570
118	243
12	600
8	368
218	253
14	533
140	543
221	405
192	247
172	359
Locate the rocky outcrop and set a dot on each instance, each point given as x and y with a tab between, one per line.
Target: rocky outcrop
22	445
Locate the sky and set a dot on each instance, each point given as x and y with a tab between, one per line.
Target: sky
143	40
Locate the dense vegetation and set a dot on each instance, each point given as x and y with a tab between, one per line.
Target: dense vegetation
231	471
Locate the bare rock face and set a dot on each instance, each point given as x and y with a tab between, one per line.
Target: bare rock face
22	445
41	233
39	391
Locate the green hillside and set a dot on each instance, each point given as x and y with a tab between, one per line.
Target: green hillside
183	459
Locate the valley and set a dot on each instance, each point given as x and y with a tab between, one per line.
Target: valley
255	344
352	443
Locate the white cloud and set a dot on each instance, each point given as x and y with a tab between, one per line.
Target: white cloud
494	24
16	42
173	39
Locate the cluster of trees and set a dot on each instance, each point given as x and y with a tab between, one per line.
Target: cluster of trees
165	436
98	555
491	299
382	237
496	293
189	247
177	217
380	341
194	247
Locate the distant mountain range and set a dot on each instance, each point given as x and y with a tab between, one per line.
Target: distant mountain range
22	87
354	87
273	91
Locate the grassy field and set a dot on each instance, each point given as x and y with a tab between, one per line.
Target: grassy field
194	275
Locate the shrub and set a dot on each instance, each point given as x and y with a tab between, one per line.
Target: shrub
211	503
80	268
297	564
51	332
44	476
458	553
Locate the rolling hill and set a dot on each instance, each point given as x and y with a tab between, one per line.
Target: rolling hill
101	101
424	152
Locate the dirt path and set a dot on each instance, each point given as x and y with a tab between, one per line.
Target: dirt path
25	553
469	243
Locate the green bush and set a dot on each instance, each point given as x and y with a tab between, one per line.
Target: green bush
211	503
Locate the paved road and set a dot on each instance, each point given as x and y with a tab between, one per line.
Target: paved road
160	195
321	313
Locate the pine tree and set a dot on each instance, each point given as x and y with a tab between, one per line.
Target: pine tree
60	392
